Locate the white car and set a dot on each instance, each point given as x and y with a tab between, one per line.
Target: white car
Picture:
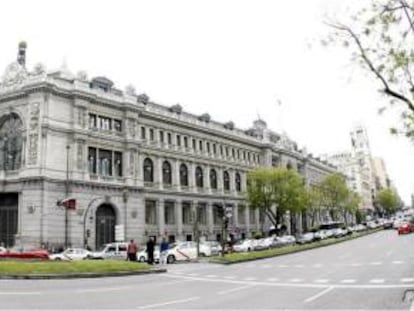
142	256
287	239
209	248
3	249
116	250
243	246
182	251
71	254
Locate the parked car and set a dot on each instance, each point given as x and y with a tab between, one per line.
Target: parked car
142	256
277	242
338	233
243	246
305	238
25	253
210	248
387	224
182	251
71	254
288	239
116	250
3	249
262	244
406	228
320	235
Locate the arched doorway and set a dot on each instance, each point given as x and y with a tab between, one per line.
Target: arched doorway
8	218
105	225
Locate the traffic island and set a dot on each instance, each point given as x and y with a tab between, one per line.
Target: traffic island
20	269
234	258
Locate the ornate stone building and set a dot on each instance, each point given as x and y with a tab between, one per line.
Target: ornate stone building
135	168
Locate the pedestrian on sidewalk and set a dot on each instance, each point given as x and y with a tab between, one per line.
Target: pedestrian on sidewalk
164	251
132	251
150	251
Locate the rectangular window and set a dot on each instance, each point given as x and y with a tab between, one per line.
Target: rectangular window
150	212
92	160
221	150
105	123
169	138
151	134
208	147
143	136
202	213
185	141
217	214
92	121
214	149
118	163
241	214
227	151
162	136
169	213
194	144
200	144
238	154
117	125
252	215
105	162
178	140
233	154
186	212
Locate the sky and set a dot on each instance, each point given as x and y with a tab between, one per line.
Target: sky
234	59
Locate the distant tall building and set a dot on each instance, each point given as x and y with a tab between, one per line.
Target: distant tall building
365	174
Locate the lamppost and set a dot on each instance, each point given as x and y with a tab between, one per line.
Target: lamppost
67	195
196	230
227	214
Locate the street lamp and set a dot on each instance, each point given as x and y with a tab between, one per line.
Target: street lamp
227	211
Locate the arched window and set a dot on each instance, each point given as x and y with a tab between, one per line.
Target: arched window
213	179
166	173
199	177
183	175
226	180
238	182
148	170
11	142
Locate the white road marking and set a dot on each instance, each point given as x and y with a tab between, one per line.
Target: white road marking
298	266
103	289
398	262
356	265
168	303
348	281
377	281
282	266
250	279
266	266
272	279
295	280
318	265
407	280
211	276
376	263
389	253
321	281
229	277
314	297
298	285
234	289
194	274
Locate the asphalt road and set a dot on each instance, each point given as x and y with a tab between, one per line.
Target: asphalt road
371	272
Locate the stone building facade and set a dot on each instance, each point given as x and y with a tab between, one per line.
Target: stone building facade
134	167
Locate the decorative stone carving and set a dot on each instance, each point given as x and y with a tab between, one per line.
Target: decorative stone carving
204	117
176	108
80	158
33	133
82	117
11	143
39	69
131	127
143	99
14	74
131	163
33	142
130	90
229	125
82	75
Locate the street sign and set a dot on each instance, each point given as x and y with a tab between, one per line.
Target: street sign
119	233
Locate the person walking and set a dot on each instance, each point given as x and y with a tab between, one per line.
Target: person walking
132	251
150	251
163	251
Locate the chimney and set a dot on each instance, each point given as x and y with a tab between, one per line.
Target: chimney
21	55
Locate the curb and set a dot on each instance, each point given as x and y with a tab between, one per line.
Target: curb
79	275
293	251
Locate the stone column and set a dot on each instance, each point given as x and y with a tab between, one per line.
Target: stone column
191	177
161	218
176	175
210	220
179	219
158	172
139	171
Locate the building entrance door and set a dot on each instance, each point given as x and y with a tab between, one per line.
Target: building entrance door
8	218
105	225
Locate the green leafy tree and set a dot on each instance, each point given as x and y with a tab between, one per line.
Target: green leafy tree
275	191
334	193
350	205
380	38
314	204
388	200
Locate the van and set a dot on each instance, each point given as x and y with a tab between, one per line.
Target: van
115	250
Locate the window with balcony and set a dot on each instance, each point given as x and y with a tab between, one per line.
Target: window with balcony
169	138
161	136
169	212
213	179
105	162
183	175
200	145
143	133
199	177
226	181
151	134
117	125
185	141
202	213
150	212
118	163
166	173
241	214
92	121
148	168
194	144
217	214
92	160
208	147
178	140
105	123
